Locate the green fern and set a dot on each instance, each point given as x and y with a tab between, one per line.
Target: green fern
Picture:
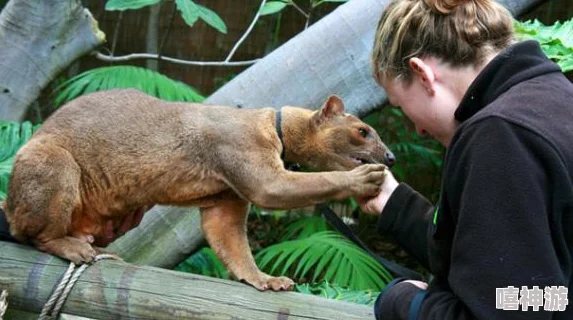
12	136
324	256
204	262
335	292
304	227
124	77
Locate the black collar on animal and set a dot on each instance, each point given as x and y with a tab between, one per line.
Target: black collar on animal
292	166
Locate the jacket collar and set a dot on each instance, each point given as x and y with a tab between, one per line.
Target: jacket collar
519	62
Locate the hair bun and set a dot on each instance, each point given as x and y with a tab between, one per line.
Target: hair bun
444	6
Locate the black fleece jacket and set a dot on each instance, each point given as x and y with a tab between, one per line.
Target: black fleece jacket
505	215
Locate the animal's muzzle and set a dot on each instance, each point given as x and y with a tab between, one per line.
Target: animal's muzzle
389	158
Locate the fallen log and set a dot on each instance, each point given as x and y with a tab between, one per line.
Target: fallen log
112	289
164	248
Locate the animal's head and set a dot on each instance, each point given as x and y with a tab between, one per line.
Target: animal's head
342	141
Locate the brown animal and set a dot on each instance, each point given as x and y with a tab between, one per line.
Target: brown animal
106	154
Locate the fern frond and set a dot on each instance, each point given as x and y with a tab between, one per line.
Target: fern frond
12	136
335	292
204	262
304	227
325	256
125	77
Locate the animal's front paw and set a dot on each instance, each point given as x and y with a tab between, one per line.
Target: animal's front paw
365	180
265	282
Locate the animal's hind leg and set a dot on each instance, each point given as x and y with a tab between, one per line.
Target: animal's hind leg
43	193
69	248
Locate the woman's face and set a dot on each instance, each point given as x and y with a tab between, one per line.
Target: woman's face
429	102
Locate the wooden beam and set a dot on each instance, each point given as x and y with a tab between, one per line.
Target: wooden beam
113	289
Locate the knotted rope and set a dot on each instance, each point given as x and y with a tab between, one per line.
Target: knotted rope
3	302
59	296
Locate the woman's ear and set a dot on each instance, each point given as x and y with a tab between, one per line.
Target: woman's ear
424	72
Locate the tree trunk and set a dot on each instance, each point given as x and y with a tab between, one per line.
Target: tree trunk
112	290
332	56
163	247
38	39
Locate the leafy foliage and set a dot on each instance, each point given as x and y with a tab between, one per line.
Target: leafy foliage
304	228
556	40
123	77
335	292
190	11
272	7
121	5
12	136
326	256
211	18
204	262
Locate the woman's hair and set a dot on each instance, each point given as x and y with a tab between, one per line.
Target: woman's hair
459	32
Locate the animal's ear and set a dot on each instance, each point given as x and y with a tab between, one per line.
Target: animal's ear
332	107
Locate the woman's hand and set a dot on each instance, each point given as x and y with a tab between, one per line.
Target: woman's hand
376	204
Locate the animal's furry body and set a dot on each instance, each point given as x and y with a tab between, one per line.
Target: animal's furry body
109	153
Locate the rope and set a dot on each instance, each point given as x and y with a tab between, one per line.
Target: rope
3	302
63	289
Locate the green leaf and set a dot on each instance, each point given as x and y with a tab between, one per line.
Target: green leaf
304	227
336	292
323	256
566	64
332	272
316	3
204	262
12	136
556	40
121	5
212	18
189	11
324	260
272	7
292	258
124	77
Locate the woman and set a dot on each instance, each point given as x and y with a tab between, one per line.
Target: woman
505	215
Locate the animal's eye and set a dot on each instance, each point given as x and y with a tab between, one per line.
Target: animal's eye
363	132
